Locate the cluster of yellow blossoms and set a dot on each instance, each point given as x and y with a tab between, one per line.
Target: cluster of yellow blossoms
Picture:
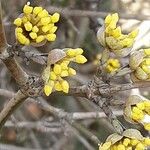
118	142
35	26
140	63
110	36
137	110
126	144
141	113
112	65
61	69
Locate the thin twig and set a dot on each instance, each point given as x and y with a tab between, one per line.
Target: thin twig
87	13
11	106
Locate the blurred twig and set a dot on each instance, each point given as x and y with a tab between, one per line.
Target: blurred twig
11	147
87	13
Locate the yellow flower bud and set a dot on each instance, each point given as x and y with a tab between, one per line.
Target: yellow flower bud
18	22
35	29
53	76
80	59
134	33
45	20
45	28
37	10
78	51
55	17
47	90
28	26
27	41
43	14
65	86
33	35
21	38
134	142
136	110
51	37
40	38
64	73
146	103
71	71
57	69
18	30
71	52
64	65
27	9
147	61
146	69
147	126
126	141
147	51
24	19
53	29
58	86
147	141
120	147
140	105
140	146
117	32
109	69
115	17
108	19
105	146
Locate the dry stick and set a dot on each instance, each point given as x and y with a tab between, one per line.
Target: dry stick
87	13
64	115
11	106
12	147
75	115
80	137
16	71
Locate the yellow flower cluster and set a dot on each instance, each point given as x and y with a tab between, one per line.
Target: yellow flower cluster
111	37
141	113
61	69
141	64
112	65
126	144
35	25
114	38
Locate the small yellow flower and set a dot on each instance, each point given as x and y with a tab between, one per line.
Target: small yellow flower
112	65
65	86
137	110
60	70
55	17
18	22
71	71
80	59
126	141
47	90
57	69
37	26
140	64
111	37
58	86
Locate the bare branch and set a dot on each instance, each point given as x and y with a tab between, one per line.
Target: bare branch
11	106
12	147
3	43
87	13
16	71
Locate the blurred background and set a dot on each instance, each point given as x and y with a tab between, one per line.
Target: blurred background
32	128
